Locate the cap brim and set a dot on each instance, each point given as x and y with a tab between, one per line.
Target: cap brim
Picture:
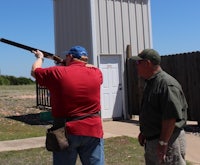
136	58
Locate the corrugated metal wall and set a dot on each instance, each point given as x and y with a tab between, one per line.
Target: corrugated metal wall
72	24
120	23
185	68
103	26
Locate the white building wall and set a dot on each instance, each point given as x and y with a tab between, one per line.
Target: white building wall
72	21
122	23
102	26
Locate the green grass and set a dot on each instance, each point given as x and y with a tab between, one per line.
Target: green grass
38	156
123	151
11	130
17	123
118	151
19	116
17	89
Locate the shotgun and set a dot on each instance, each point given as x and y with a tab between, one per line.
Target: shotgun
48	55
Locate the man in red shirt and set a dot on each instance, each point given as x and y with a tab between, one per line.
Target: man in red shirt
74	92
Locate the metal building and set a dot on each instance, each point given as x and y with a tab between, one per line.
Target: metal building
105	28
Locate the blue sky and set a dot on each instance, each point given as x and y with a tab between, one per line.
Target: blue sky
175	26
175	29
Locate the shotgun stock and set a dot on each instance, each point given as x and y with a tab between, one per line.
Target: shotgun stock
48	55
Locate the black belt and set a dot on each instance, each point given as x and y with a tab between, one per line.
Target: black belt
81	117
152	137
60	122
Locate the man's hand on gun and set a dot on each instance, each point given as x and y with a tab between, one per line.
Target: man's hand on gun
38	54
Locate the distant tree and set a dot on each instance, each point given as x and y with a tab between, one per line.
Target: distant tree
12	80
4	81
24	81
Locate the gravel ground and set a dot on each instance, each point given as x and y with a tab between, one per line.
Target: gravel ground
21	105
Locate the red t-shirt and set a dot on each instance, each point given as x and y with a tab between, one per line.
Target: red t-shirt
74	91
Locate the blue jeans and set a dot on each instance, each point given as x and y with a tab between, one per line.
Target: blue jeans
89	149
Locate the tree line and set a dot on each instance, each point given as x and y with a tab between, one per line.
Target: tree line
12	80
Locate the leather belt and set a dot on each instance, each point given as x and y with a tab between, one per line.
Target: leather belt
81	117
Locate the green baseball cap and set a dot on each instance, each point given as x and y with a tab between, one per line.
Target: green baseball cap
148	54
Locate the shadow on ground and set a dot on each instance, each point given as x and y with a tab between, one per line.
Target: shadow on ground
35	119
31	119
136	122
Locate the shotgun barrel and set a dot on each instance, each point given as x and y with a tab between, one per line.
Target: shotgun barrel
46	54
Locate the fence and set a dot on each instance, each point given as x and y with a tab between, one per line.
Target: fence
43	97
185	68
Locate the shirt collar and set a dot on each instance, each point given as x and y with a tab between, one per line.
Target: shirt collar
155	75
78	63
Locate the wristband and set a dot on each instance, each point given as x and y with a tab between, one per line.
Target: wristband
162	143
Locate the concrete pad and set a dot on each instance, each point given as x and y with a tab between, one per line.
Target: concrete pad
131	128
193	148
22	144
120	128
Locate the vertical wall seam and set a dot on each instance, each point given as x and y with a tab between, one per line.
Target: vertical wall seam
116	41
100	36
149	24
136	26
122	25
143	30
107	26
129	22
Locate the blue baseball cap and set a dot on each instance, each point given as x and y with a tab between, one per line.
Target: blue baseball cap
77	52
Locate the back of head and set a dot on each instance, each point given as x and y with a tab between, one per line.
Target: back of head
77	52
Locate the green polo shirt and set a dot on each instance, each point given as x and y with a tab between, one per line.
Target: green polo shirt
163	98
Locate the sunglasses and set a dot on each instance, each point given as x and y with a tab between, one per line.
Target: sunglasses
139	62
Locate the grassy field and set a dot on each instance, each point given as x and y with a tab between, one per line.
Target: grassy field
118	151
20	118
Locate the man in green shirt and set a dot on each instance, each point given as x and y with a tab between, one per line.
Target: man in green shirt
163	112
